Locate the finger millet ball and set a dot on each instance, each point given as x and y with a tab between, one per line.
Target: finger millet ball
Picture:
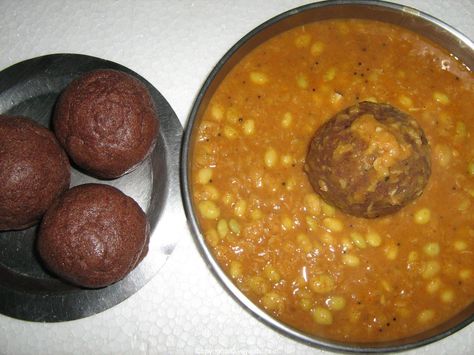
34	171
107	122
369	160
93	236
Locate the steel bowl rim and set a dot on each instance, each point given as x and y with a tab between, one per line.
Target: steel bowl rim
205	251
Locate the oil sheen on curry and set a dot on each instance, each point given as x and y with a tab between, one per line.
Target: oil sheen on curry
301	259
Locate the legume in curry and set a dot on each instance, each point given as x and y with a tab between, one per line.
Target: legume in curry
300	259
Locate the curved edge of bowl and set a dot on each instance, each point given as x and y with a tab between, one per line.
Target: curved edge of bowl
441	33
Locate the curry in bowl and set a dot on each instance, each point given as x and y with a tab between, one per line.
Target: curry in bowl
299	258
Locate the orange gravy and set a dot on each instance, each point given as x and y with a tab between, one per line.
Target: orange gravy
298	258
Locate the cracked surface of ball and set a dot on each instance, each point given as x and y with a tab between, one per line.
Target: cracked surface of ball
34	171
93	236
107	122
369	160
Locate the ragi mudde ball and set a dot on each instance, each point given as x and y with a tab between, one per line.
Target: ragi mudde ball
369	160
93	236
34	171
107	122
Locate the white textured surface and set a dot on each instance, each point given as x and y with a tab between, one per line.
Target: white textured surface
174	45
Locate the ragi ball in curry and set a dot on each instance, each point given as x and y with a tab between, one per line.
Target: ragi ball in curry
107	122
34	171
369	160
93	236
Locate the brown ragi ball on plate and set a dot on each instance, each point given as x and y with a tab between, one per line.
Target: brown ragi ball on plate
369	160
34	171
93	236
107	122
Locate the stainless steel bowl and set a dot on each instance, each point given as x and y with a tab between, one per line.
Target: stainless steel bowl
439	32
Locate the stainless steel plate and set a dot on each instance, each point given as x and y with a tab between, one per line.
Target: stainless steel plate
27	290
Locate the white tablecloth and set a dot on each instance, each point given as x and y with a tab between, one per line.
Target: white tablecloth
174	45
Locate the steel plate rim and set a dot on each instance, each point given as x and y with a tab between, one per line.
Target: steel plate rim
170	132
